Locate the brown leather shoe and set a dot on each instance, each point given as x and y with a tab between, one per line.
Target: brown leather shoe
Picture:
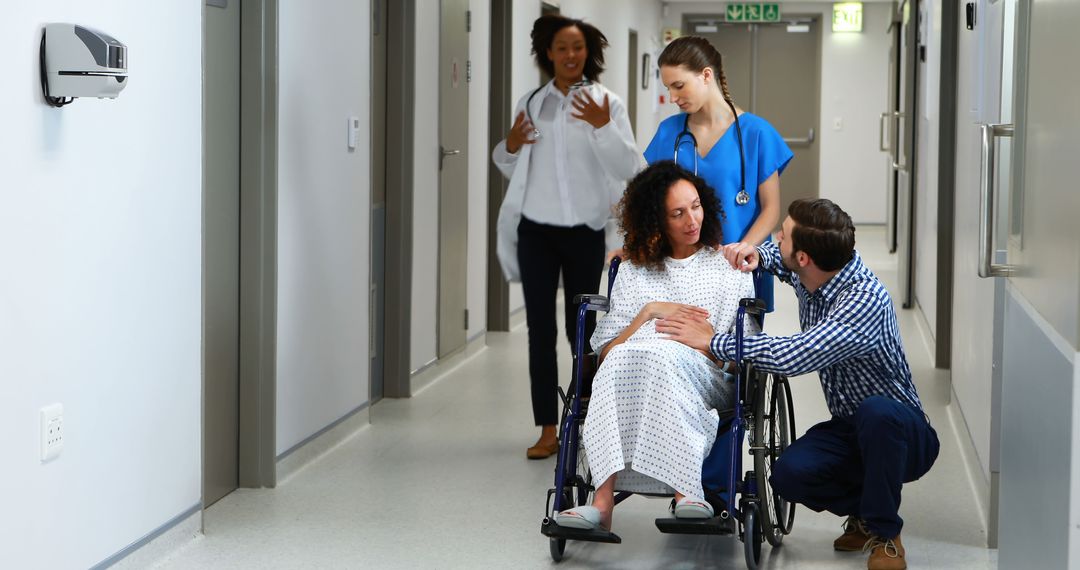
854	537
885	554
542	451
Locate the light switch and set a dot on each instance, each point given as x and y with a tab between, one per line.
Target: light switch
838	123
354	132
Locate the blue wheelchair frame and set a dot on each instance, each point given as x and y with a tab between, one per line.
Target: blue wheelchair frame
746	510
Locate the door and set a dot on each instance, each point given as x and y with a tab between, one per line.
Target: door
772	70
1038	514
888	132
453	174
786	93
221	249
904	123
978	304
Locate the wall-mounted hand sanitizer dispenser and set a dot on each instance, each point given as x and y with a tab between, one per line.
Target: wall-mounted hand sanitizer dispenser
77	61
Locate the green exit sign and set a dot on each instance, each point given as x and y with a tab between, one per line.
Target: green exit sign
847	17
753	12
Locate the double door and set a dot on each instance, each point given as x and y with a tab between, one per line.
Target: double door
773	71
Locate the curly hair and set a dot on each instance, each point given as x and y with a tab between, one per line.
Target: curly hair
543	35
643	211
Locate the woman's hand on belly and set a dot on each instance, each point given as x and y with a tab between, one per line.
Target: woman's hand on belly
663	310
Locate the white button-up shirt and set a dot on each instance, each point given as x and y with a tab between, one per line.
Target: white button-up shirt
572	175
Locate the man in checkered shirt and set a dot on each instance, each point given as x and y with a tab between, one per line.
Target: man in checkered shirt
879	438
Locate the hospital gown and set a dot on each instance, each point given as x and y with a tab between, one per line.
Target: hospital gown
653	412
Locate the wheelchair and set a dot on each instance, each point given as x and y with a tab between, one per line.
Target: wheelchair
744	503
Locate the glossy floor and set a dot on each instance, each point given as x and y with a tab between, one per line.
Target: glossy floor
441	481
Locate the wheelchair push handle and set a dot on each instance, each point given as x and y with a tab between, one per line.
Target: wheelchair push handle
752	305
593	300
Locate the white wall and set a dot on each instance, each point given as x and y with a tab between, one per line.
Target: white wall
479	157
100	292
854	85
425	247
928	150
324	203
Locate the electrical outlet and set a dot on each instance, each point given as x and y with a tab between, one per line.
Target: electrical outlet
52	431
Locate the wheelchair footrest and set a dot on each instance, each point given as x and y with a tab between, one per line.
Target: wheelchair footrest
549	529
715	525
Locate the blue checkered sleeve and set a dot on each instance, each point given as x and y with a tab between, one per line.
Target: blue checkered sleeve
769	260
853	327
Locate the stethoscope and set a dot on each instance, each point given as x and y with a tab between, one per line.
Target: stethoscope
528	104
743	197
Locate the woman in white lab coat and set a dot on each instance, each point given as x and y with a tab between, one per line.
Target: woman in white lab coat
568	155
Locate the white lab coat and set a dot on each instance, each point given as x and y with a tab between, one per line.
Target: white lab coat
614	150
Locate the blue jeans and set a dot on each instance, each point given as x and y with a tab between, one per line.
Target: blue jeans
856	465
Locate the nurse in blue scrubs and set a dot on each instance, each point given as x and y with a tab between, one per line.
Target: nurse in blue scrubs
741	159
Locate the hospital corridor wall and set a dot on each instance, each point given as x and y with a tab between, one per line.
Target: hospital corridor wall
101	221
101	233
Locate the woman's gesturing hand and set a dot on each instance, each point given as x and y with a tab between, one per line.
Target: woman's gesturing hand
590	111
520	134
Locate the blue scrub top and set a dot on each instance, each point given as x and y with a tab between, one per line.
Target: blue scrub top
765	152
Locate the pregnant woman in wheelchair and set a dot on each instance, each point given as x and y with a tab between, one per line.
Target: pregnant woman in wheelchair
653	414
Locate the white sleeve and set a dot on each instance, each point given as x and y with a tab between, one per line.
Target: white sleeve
504	160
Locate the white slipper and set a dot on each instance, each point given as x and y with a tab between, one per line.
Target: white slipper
584	518
688	508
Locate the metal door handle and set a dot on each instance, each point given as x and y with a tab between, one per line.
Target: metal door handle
882	146
987	268
897	165
806	141
444	152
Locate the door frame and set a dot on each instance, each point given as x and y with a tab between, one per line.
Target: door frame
257	374
401	54
258	243
946	183
256	454
500	105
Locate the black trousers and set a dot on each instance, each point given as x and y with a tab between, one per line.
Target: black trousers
543	253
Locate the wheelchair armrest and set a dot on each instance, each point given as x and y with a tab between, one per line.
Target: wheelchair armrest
594	301
752	305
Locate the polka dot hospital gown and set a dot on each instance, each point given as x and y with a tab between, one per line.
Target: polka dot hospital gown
653	412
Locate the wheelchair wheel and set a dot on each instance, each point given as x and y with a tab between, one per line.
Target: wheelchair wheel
557	546
774	429
751	536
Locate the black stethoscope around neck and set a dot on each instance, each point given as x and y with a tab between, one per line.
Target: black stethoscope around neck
585	82
743	197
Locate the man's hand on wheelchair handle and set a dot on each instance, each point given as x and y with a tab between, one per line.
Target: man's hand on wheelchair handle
742	256
688	328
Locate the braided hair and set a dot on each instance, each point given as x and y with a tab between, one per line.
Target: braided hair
696	53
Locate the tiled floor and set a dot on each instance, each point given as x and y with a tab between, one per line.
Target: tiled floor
441	481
